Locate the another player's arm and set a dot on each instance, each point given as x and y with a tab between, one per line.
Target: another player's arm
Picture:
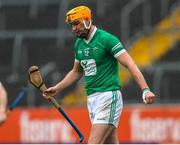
126	60
3	99
3	104
74	75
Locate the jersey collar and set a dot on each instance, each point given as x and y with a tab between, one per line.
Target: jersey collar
91	36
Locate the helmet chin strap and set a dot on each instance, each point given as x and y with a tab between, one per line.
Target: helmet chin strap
87	27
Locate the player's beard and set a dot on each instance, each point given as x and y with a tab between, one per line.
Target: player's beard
83	34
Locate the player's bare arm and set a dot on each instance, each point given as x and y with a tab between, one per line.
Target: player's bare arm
126	60
3	104
74	75
3	99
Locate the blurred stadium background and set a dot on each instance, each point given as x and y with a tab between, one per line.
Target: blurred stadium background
33	32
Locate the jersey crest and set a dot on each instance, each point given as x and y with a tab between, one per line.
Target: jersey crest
89	67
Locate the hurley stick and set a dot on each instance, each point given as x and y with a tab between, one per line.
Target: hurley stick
36	80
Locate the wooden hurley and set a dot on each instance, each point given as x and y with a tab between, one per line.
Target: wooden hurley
37	81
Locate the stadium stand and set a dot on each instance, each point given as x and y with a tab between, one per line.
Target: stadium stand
32	32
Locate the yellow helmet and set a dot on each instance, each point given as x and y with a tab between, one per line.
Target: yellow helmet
78	13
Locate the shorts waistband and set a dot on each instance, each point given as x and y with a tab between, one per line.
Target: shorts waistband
97	93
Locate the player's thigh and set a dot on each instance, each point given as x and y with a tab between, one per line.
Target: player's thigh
112	138
99	133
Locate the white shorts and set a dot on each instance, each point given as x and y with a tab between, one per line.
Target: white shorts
105	107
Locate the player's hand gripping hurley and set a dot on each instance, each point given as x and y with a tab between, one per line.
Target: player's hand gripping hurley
36	80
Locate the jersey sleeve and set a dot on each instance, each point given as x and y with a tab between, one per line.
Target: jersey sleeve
75	51
115	46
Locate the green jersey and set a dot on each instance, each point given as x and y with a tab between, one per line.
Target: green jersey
97	57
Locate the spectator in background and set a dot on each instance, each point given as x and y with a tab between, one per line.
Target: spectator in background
97	54
3	104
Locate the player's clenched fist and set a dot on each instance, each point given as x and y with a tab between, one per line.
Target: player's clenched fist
148	97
